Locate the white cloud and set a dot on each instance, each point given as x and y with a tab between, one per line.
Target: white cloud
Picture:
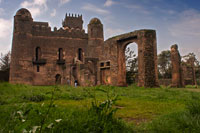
53	13
112	32
64	2
5	34
95	9
187	25
36	7
5	27
109	3
186	31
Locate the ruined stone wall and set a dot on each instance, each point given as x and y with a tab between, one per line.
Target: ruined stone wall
49	49
114	51
189	75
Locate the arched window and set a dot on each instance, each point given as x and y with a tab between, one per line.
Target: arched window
37	53
80	54
60	54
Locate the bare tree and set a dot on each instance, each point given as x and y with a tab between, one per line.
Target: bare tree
5	61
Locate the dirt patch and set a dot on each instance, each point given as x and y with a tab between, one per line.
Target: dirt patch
192	89
136	121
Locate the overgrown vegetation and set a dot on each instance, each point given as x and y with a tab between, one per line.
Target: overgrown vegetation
26	108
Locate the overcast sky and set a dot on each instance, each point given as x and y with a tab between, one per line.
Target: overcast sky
175	21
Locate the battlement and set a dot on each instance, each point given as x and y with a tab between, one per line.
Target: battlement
43	29
73	21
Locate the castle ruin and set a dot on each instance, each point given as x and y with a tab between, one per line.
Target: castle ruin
44	57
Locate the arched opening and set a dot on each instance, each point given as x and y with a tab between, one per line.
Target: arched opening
127	48
80	54
60	54
131	60
147	57
58	79
37	53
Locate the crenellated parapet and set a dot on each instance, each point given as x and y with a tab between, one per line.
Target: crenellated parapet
73	21
43	29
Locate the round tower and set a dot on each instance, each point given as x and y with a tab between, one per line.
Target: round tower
95	29
95	38
21	47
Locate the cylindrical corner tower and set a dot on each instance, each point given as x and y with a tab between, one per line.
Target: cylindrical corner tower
21	43
95	38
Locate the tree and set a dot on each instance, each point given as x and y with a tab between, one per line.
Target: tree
164	64
5	61
192	57
131	66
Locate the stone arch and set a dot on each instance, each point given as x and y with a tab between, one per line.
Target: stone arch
58	79
147	57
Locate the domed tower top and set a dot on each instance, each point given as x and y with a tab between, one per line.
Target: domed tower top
95	29
24	13
95	21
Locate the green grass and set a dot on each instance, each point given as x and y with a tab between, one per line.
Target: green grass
23	107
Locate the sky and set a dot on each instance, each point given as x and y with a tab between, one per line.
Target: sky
175	21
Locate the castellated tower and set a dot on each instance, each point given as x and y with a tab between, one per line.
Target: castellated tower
20	67
95	37
73	21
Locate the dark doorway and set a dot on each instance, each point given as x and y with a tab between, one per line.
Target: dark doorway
58	79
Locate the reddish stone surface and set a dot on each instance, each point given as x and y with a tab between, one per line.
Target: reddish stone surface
189	75
177	79
44	57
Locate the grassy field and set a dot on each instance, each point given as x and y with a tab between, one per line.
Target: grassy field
26	108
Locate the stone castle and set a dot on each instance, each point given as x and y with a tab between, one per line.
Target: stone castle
68	54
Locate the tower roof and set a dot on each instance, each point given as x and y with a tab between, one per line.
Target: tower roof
95	21
24	13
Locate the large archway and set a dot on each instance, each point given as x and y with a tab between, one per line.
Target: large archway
147	57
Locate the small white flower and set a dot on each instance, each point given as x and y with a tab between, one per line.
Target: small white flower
50	125
24	131
35	129
23	120
58	120
20	113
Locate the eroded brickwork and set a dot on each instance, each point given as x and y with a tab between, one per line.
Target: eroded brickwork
68	54
177	80
189	75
